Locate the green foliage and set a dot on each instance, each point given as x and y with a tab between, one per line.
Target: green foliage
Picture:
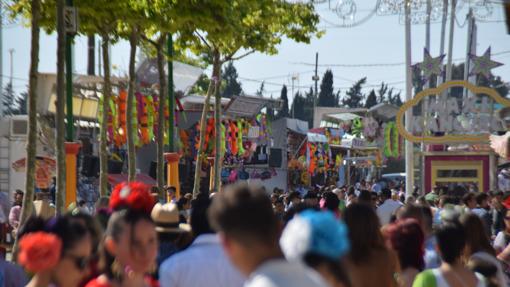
327	97
201	86
284	112
8	97
260	91
354	97
247	25
371	100
232	88
302	107
21	104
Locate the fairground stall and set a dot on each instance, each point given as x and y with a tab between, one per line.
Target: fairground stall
360	141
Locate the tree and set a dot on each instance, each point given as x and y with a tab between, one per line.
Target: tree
394	99
284	111
354	97
382	93
248	26
60	109
327	96
260	91
21	104
35	16
8	100
232	87
200	87
298	106
371	100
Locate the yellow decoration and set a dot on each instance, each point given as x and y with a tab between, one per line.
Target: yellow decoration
447	138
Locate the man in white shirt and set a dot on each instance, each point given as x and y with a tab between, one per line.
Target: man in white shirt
249	231
388	207
204	263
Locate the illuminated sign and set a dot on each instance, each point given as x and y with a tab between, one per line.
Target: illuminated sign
456	120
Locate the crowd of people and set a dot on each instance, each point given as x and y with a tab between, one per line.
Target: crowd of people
362	235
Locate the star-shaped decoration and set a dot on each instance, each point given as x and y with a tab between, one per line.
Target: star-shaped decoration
430	66
483	65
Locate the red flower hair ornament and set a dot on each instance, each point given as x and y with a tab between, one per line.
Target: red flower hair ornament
134	195
39	251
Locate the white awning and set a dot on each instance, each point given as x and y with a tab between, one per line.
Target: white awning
343	116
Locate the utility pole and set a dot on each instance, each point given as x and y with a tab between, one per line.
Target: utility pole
470	48
443	35
69	71
294	77
99	61
409	155
1	63
171	95
316	79
11	52
427	85
91	55
450	44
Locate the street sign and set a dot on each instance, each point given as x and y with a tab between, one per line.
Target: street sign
71	20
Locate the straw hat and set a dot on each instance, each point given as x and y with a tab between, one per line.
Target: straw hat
166	218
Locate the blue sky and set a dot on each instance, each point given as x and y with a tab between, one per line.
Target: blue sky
379	40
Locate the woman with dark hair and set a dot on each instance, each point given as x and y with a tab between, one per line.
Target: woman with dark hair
478	246
451	241
130	244
407	239
320	240
330	201
56	251
369	262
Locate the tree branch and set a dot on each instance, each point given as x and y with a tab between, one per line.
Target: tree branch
232	58
149	40
203	40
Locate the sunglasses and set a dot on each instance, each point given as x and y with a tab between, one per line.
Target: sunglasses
80	262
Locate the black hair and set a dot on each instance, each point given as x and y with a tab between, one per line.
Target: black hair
70	230
365	197
117	224
385	193
198	219
293	195
245	213
451	239
331	201
334	267
481	197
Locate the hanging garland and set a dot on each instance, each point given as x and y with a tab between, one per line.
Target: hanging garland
391	140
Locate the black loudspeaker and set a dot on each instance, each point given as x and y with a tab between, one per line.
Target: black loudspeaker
90	166
115	167
275	157
153	171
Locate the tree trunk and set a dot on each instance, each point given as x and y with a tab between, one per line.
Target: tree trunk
217	118
161	117
60	113
133	41
200	154
26	210
103	148
91	43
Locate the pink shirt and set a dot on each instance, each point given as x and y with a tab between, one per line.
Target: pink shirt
14	216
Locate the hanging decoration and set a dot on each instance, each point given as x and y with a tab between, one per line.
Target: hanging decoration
370	127
430	66
391	141
483	65
357	127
